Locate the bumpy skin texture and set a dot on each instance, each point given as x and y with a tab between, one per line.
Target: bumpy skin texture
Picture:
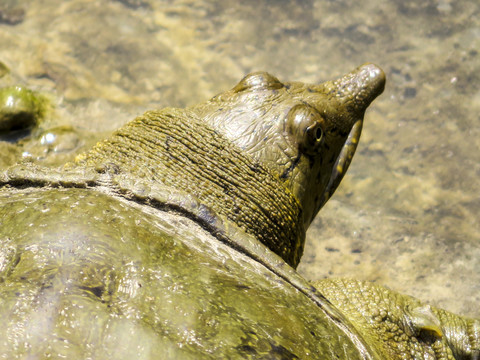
404	327
171	238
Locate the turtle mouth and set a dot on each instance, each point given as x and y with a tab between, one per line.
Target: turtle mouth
342	163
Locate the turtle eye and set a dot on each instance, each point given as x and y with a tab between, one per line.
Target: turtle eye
306	127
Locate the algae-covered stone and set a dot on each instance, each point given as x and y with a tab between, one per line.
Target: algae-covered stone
177	238
4	70
20	108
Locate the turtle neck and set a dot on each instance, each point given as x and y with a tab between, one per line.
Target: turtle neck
173	147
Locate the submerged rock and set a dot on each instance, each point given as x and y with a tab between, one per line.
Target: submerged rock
20	108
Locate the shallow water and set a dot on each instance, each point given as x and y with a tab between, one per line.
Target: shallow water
406	215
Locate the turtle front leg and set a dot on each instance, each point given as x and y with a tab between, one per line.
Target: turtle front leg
400	326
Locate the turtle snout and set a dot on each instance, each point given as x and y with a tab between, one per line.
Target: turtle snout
360	87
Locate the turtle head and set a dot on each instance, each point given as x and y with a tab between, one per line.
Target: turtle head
305	134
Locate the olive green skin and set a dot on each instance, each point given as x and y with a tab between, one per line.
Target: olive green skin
106	260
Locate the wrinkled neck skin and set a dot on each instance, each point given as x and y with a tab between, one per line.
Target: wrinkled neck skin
174	148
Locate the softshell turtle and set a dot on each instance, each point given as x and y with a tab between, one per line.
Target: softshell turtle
177	238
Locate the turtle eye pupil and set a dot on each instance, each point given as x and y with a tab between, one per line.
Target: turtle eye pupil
315	134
